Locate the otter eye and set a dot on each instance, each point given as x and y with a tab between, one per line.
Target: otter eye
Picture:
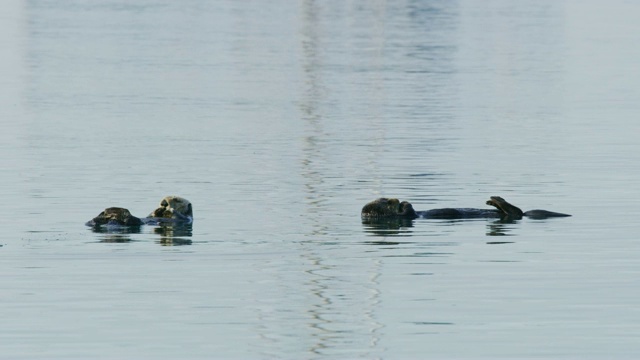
164	203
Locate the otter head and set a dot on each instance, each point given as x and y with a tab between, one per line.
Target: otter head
115	216
388	208
174	207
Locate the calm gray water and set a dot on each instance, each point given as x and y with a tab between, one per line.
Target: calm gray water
279	121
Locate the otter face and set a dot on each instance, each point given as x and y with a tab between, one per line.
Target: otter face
174	207
384	208
115	216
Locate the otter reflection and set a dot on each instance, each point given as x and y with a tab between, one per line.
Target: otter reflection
170	234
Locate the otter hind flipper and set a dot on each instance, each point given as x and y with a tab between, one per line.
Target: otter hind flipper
543	214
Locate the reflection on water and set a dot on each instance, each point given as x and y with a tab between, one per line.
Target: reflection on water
500	227
170	234
403	227
174	234
174	230
388	227
115	229
114	238
504	226
328	321
499	242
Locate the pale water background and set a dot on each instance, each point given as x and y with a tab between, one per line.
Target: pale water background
279	120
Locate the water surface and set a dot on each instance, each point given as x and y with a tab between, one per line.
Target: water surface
279	121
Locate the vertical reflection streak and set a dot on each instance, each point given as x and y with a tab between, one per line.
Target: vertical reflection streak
331	306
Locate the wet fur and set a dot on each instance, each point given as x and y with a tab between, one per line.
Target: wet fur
393	208
171	209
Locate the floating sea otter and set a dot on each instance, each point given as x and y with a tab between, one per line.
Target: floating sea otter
384	208
173	209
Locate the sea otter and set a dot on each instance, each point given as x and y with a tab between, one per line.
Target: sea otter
172	209
385	208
